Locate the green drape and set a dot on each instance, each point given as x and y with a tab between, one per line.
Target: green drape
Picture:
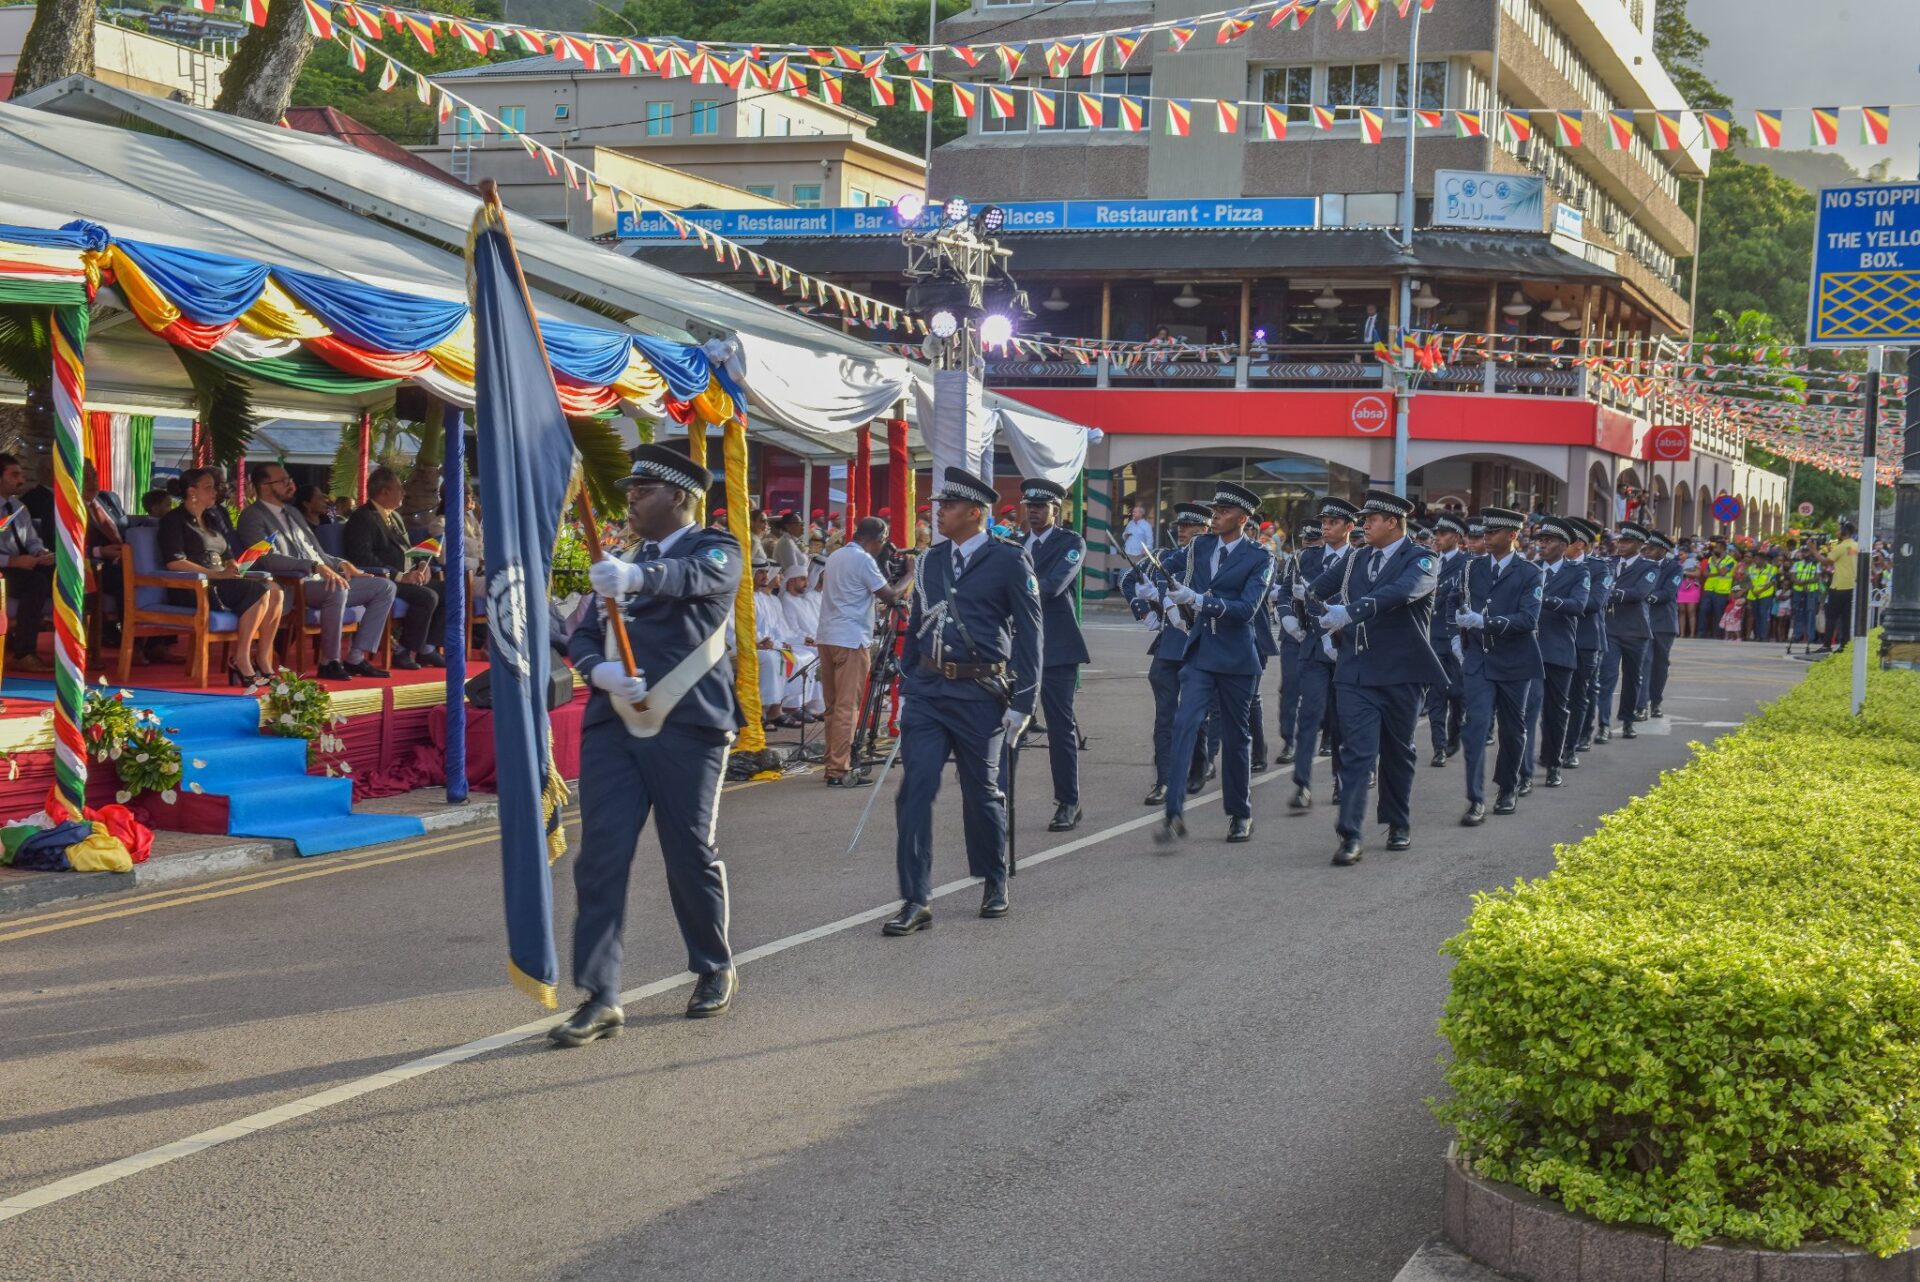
139	457
301	370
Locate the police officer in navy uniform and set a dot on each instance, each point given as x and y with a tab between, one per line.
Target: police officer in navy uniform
1057	554
676	597
1628	624
971	660
1144	590
1318	697
1266	644
1377	611
1498	618
1563	603
1446	700
1663	607
1590	640
1231	575
1290	639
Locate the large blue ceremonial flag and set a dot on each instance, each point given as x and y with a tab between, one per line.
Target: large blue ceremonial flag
525	462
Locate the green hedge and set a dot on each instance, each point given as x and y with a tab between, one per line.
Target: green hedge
1707	1019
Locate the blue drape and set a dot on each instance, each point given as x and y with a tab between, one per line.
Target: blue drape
78	234
596	356
453	554
686	369
383	320
209	289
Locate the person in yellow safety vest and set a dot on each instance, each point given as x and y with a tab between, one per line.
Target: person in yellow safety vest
1804	574
1762	582
1716	585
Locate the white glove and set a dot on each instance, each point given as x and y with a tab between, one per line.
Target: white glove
1184	595
612	577
1013	723
1145	591
1459	654
1336	617
612	677
1326	645
1299	590
900	710
1292	627
1469	620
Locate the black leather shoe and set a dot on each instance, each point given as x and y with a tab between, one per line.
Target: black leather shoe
1326	750
1628	732
1453	747
910	918
1258	765
335	671
1194	784
431	659
1603	734
1553	777
1399	837
405	662
1239	830
1158	796
1172	827
1654	711
365	669
1439	759
1065	818
713	994
993	900
1640	714
1286	756
589	1023
1526	787
1302	799
1585	745
1505	804
1475	816
1213	769
1348	854
1571	763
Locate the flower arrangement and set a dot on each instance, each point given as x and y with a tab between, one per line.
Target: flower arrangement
297	707
134	741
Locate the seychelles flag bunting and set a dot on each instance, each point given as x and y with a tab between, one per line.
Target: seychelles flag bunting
921	91
1179	117
1372	126
1133	112
1719	127
1092	111
880	85
1767	126
1571	126
1670	128
1001	102
1874	124
1468	124
1322	117
1519	126
1826	126
1620	129
1046	107
965	99
1227	116
1276	120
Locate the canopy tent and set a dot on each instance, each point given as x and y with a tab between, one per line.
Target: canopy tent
810	384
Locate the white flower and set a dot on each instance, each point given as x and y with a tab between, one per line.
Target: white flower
346	767
123	796
142	758
126	694
286	718
114	752
195	788
299	696
169	796
329	772
281	688
199	764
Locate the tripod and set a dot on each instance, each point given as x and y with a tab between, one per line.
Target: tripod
882	671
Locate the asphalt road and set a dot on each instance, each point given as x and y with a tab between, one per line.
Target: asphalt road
1206	1064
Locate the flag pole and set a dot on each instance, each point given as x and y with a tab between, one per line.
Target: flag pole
590	533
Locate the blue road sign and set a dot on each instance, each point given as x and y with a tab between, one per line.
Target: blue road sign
1726	509
1866	267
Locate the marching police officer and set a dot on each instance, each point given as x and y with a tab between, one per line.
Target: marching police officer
1291	647
1144	591
1663	609
1562	606
1591	638
1446	700
1057	554
1378	605
1628	626
1498	617
1317	659
1267	645
972	663
1230	576
677	599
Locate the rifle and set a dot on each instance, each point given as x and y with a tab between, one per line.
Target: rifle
1187	615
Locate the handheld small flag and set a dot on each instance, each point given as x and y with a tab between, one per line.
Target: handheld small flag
242	560
424	550
1767	126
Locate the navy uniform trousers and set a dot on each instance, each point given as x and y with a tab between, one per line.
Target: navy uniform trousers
1376	723
1257	716
970	732
677	775
1316	711
1585	690
1205	696
1634	654
1490	702
1659	663
1290	666
1556	715
1063	732
1610	659
1446	704
1163	678
1530	744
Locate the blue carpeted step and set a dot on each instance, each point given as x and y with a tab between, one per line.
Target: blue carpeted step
294	798
228	763
342	832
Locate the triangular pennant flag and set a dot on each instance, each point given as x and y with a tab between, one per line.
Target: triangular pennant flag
1282	13
475	39
358	18
1719	127
356	53
446	107
965	99
1000	102
1364	12
830	86
1232	29
1046	107
881	87
1227	116
913	58
1620	129
1875	123
1010	56
966	54
1826	126
1177	37
1430	119
1276	118
421	89
1059	57
530	41
1767	126
849	58
1322	117
319	20
1372	126
389	75
1090	55
422	33
1179	117
1132	111
1123	46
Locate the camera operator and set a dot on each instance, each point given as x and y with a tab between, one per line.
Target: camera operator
853	581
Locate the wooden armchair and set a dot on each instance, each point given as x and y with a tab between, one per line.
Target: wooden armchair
148	611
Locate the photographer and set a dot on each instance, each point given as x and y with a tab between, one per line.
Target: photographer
853	581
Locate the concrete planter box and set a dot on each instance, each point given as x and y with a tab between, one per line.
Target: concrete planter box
1531	1239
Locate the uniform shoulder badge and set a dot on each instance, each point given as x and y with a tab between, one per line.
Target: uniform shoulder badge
717	555
1538	592
1652	575
1033	586
1073	556
1426	565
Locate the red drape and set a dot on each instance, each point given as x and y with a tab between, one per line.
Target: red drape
100	448
860	478
899	475
366	452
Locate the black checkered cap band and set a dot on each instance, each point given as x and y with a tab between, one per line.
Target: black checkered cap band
647	469
1387	505
967	492
1554	527
1338	509
1659	540
1632	531
1043	492
1228	498
1497	519
1452	524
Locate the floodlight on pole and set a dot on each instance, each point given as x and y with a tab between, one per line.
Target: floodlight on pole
988	222
944	324
909	207
995	330
957	210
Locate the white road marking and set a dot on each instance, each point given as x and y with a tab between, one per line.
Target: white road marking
253	1123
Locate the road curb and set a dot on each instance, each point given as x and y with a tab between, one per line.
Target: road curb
1436	1261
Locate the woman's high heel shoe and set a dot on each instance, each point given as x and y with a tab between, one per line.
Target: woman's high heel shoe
235	677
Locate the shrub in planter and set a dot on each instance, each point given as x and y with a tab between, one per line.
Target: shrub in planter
1707	1018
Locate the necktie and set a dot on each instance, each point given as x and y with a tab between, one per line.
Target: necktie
959	563
647	551
1373	566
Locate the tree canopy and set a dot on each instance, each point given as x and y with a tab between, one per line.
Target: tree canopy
1680	46
1756	244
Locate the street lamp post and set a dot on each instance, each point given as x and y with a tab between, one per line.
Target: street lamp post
1402	401
1900	641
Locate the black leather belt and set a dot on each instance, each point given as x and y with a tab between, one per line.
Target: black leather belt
964	671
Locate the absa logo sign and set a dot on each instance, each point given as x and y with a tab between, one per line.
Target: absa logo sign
1670	443
1370	415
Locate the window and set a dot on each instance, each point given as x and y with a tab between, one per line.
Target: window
1433	85
1291	87
659	119
514	118
706	116
466	128
992	124
561	111
1066	114
753	121
1356	86
766	191
779	127
1134	83
860	199
806	195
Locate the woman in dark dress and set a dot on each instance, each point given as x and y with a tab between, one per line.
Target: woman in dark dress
193	540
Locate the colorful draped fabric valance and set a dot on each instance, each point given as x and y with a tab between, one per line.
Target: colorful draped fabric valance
330	334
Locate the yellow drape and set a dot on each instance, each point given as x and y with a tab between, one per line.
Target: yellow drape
276	314
148	303
746	659
697	451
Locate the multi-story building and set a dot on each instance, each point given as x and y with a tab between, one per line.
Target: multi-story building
674	143
165	64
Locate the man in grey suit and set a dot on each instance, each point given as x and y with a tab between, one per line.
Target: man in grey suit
332	584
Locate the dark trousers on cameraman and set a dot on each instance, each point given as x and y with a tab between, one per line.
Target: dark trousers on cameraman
843	682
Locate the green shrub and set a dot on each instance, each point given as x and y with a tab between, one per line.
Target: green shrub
1707	1019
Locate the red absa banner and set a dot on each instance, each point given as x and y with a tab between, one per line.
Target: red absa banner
1668	443
1181	412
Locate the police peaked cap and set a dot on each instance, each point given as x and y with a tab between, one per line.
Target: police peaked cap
1227	494
1387	503
963	486
1632	530
653	463
1659	540
1476	526
1038	489
1502	518
1448	523
1338	509
1192	514
1583	529
1309	534
1557	527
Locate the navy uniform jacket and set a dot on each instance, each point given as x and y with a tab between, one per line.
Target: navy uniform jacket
1634	581
1056	564
1313	564
1592	632
1563	601
1264	620
1446	599
1663	603
1223	633
689	595
1506	649
1386	644
1169	643
998	598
